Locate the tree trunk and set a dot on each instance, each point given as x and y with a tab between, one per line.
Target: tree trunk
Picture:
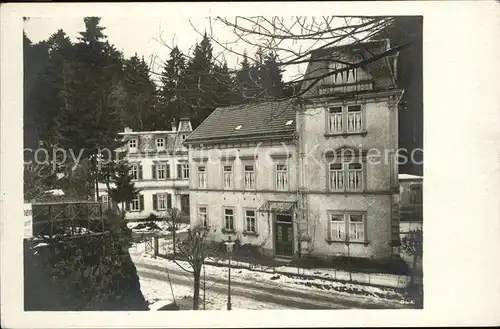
196	293
174	229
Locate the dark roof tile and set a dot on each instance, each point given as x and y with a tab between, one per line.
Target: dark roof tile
255	119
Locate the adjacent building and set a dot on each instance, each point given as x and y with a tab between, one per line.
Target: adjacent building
314	176
410	205
160	169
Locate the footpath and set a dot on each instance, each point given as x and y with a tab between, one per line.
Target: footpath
328	274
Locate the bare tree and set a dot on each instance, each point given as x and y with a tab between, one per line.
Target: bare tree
173	219
295	39
195	249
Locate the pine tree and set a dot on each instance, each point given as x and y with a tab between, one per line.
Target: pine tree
223	83
140	111
124	191
199	79
173	93
93	97
34	60
271	79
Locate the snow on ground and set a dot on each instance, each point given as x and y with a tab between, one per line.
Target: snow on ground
319	286
157	227
158	293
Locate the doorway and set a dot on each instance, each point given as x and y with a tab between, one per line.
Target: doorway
283	235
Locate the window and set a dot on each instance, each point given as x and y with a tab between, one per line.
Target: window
161	170
281	177
336	176
132	145
183	136
250	221
135	204
345	119
229	219
288	123
337	227
354	119
349	226
160	143
355	176
335	119
346	176
228	176
249	176
185	171
343	77
356	227
134	172
202	177
203	216
162	201
415	194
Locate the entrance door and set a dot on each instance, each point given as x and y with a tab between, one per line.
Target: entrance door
185	204
283	235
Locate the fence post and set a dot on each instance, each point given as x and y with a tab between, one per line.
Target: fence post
155	246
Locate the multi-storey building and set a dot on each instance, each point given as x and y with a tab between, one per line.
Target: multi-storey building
316	176
160	170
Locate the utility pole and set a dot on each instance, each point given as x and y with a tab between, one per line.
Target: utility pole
229	245
204	287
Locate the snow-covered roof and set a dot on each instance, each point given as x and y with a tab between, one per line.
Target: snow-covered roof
409	177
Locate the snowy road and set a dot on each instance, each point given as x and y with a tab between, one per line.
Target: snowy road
249	290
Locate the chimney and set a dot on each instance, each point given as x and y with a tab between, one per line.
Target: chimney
174	128
128	130
185	124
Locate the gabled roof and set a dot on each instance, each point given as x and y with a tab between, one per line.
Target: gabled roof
382	71
256	120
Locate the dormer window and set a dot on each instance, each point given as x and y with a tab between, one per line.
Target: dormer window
238	127
132	145
288	123
160	143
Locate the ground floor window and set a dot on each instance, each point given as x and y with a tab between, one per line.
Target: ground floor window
229	219
250	222
203	216
347	226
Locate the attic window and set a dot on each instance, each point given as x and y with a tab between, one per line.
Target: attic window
238	127
289	122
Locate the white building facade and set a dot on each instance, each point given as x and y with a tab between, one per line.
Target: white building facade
160	169
317	176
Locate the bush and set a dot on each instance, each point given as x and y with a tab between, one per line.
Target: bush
91	273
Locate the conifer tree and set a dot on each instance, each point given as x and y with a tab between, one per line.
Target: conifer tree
140	111
124	191
173	93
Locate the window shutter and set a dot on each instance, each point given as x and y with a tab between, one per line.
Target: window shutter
155	202
179	171
127	206
169	201
141	202
140	171
167	171
153	171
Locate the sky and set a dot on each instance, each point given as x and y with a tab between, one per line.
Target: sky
147	37
154	36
